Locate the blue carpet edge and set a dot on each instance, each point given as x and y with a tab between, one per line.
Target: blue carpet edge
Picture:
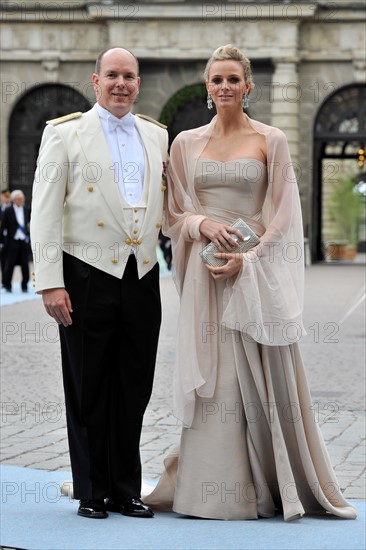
31	526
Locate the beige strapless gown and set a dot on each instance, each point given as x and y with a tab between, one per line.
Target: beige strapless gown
254	448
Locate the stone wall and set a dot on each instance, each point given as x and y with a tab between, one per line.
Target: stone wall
304	51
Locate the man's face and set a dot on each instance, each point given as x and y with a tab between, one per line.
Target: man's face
117	84
5	199
19	200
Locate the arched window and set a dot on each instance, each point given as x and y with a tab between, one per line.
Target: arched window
339	135
26	125
186	109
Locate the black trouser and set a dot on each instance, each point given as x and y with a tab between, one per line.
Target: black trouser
16	252
108	359
3	263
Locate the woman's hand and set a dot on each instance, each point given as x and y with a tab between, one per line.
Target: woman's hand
230	269
220	234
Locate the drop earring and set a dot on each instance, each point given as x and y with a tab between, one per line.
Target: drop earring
209	101
245	101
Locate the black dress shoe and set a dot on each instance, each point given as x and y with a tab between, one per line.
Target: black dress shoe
94	509
133	507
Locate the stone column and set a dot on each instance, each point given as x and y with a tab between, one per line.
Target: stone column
359	70
285	100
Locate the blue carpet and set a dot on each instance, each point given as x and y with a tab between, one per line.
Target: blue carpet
17	296
34	516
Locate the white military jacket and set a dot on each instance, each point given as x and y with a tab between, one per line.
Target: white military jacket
77	206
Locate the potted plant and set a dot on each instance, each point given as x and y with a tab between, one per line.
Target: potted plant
346	209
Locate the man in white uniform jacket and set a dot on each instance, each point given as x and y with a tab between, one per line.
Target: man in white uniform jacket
96	214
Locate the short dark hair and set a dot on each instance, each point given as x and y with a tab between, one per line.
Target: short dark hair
103	52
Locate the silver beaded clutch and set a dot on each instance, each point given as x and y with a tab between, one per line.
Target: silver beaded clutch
250	239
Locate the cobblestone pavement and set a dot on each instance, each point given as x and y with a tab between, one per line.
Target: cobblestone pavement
32	406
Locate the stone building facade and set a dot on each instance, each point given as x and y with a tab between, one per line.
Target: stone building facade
308	61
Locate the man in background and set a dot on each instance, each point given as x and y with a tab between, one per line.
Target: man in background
5	201
14	237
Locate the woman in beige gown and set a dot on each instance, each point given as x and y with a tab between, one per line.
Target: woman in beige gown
250	444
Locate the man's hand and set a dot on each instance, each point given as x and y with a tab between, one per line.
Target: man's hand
58	304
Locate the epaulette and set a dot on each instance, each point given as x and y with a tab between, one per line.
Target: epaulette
64	118
150	119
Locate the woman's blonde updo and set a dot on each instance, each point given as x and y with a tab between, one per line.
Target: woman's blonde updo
227	52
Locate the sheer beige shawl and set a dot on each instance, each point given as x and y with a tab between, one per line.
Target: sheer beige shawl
265	300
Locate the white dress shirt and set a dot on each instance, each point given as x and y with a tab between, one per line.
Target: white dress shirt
127	153
19	214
